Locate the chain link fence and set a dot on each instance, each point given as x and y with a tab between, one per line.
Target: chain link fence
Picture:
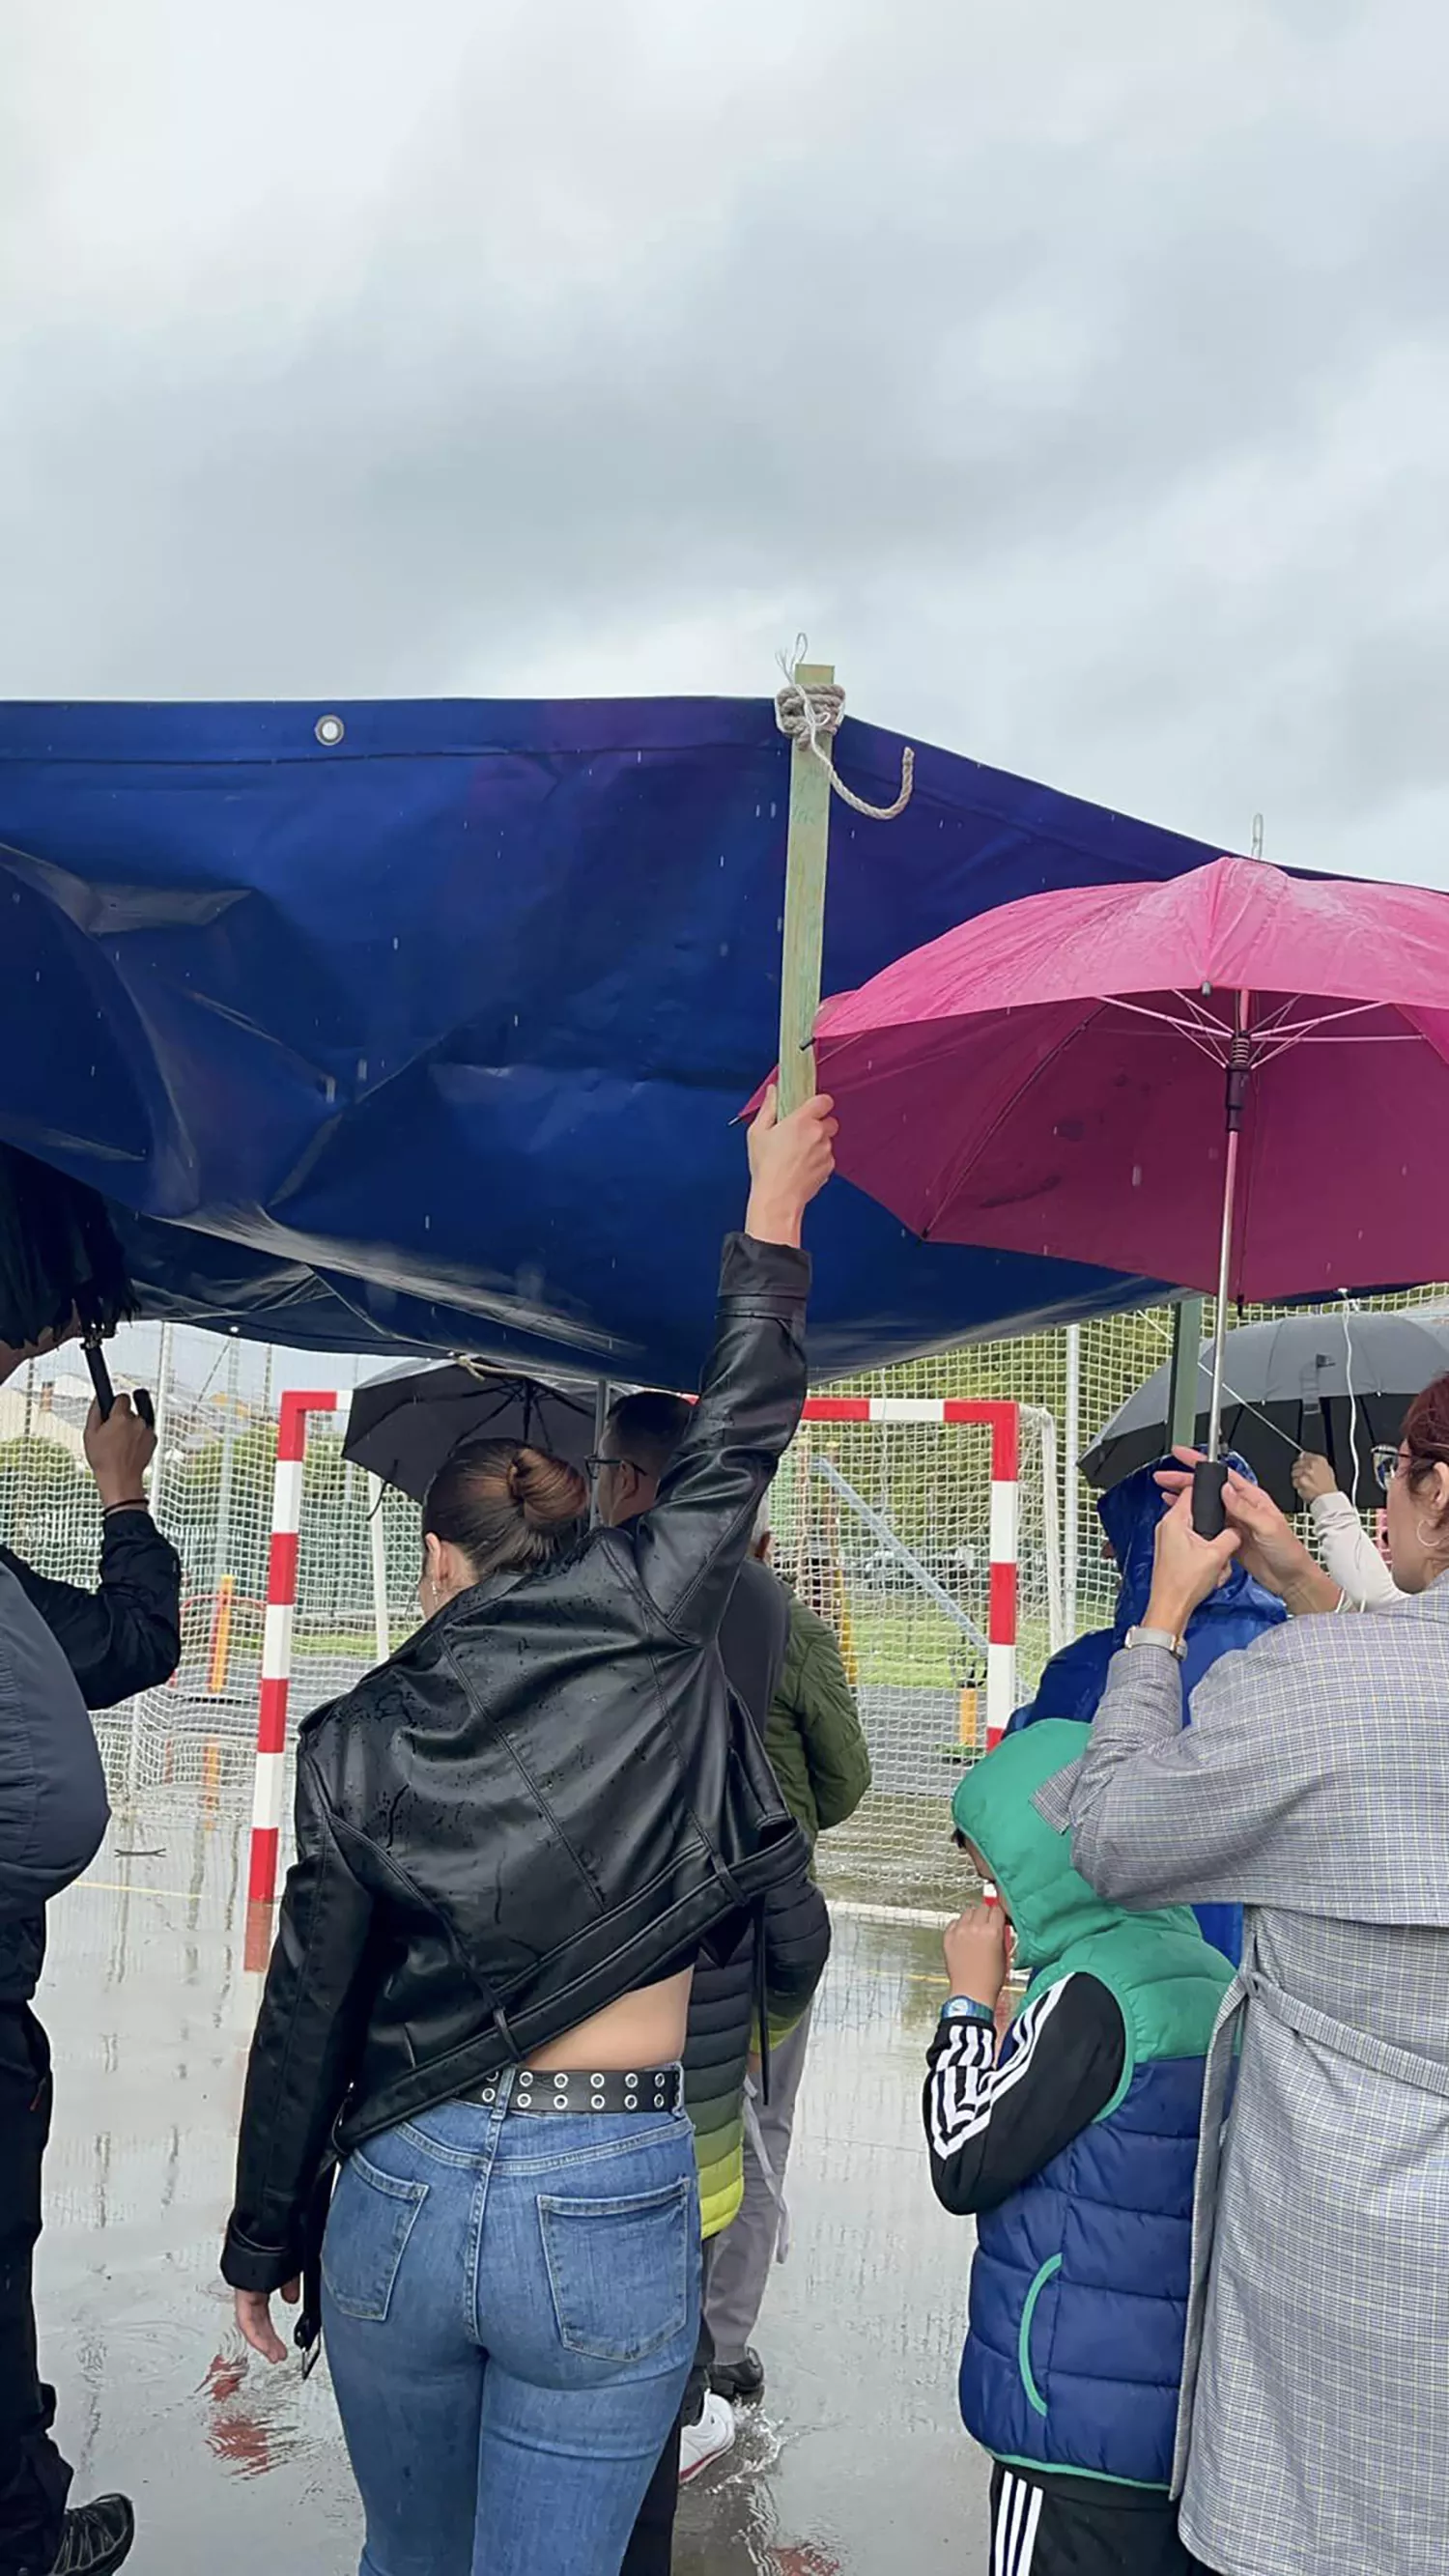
882	1527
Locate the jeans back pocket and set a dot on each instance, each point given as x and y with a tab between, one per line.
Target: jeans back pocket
621	2272
368	2226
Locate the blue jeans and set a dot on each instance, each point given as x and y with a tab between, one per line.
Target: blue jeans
510	2309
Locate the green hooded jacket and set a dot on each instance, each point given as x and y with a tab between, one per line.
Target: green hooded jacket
1168	1981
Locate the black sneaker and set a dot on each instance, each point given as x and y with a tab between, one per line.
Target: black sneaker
96	2538
741	2381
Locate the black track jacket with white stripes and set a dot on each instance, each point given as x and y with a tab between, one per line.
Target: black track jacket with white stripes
996	2117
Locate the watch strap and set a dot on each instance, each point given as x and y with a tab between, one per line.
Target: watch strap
1176	1646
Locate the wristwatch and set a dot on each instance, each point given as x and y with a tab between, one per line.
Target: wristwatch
966	2008
1157	1637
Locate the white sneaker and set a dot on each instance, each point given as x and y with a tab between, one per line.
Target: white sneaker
701	2444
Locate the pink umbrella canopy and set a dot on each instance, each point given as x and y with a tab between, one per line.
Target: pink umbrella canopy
1052	1078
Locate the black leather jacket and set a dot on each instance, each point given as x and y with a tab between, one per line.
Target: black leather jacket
546	1799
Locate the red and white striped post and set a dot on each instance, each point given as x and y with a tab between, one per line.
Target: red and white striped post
1003	1421
277	1641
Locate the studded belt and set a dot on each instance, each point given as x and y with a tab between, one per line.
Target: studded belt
651	2088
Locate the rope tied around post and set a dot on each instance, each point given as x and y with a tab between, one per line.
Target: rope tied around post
810	714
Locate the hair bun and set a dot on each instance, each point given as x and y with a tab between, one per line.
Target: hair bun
545	1490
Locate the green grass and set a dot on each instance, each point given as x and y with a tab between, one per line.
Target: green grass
910	1647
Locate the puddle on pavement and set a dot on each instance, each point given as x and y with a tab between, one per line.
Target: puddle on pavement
149	2005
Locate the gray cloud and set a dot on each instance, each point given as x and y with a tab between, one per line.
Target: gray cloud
1081	381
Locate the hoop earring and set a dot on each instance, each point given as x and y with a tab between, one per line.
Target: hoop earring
1431	1541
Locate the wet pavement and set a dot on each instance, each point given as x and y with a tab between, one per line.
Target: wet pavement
854	2466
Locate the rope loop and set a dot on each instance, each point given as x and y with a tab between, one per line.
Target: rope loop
812	716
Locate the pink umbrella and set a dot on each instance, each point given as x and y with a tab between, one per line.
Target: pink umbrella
1237	1081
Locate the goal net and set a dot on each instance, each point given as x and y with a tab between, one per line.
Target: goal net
899	1532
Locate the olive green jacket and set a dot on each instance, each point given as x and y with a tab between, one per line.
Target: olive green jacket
814	1736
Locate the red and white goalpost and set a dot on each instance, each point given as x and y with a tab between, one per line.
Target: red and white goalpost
269	1785
1001	1419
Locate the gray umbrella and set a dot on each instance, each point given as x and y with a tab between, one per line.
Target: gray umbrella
403	1425
1286	1388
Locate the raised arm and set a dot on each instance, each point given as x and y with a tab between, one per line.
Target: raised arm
691	1545
126	1635
1164	1815
1349	1554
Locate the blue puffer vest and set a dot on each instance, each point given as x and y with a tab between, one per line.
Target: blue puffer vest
1073	2354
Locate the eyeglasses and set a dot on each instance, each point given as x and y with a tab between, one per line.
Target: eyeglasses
1390	1462
1388	1459
594	1468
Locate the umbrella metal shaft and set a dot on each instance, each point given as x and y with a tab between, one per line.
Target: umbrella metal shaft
1210	1478
1220	1318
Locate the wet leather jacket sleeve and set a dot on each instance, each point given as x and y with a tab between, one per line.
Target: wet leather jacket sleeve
126	1635
691	1546
317	1994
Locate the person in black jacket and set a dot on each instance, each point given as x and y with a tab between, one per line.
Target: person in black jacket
124	1637
513	1840
53	1814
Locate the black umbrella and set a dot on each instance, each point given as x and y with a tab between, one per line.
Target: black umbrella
404	1425
1286	1387
61	1267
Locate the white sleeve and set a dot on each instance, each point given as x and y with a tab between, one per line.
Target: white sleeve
1349	1554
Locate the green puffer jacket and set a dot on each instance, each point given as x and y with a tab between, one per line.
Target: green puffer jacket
814	1736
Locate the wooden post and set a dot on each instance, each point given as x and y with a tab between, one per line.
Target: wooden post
806	853
1182	1404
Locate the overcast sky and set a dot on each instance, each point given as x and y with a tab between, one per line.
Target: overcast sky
1078	377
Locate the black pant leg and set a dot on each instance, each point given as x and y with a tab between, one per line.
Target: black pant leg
1060	2532
34	2479
698	2387
651	2546
651	2543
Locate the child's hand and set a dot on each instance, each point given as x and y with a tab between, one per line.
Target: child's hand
978	1953
1312	1477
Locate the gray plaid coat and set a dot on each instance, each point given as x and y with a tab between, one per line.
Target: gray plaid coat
1313	1786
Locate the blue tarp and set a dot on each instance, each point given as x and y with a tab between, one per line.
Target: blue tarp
432	1038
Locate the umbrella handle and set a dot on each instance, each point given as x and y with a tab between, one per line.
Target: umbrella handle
100	1380
1209	1484
106	1393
